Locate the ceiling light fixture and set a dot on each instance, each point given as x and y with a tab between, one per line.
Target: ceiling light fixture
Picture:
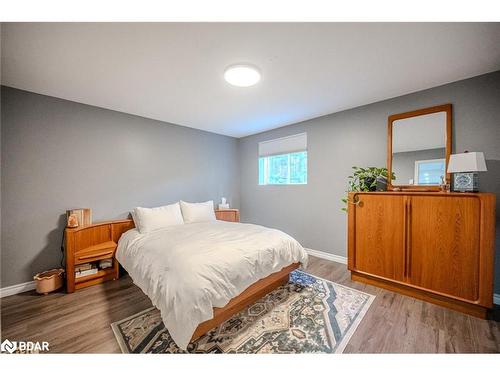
242	75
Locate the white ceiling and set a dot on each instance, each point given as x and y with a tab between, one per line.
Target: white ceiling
174	71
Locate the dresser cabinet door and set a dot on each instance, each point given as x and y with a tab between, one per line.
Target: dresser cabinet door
379	235
443	247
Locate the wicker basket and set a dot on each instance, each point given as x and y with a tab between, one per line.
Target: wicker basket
49	281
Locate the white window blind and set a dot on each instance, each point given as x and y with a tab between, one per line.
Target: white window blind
285	145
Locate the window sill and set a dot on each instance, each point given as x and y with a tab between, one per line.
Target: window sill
298	184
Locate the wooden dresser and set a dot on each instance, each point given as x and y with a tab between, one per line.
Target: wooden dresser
435	246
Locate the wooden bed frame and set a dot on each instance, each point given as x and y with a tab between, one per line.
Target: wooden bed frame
99	241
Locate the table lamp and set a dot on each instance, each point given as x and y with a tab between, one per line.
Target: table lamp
464	168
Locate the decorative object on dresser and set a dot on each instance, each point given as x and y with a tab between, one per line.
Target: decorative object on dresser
78	216
434	246
418	148
445	186
228	214
89	245
71	220
464	168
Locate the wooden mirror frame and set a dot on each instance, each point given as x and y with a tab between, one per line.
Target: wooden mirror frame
425	111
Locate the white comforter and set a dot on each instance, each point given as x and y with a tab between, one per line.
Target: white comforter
187	270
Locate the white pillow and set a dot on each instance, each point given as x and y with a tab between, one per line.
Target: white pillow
198	212
149	219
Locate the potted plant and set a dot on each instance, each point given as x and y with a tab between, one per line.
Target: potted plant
365	179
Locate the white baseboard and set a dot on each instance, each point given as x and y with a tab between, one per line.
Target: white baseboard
327	256
16	289
30	285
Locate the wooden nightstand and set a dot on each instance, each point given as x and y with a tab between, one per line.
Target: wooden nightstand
90	244
228	214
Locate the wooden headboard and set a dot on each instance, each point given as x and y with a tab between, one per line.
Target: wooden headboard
94	242
82	237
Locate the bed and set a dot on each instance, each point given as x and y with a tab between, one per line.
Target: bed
200	274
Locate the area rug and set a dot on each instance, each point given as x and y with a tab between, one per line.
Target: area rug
307	315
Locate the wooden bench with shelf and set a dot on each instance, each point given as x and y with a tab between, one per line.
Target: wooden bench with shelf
92	243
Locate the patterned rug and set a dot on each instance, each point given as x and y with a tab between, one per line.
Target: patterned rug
307	315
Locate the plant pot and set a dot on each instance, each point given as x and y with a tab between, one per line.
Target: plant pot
49	281
381	184
368	182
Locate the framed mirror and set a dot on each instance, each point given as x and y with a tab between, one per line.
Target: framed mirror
419	148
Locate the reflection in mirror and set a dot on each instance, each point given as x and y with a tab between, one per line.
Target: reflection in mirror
419	149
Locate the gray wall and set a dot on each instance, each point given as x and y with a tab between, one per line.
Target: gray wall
311	212
58	155
403	163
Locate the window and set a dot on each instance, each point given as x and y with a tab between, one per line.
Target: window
283	169
283	161
429	172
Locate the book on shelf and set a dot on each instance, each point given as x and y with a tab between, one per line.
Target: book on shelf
91	271
105	263
83	267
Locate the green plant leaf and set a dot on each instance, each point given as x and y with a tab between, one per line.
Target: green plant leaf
364	179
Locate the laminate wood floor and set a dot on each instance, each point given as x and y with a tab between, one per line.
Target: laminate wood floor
80	322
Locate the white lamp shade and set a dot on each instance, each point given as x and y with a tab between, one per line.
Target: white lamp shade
467	162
